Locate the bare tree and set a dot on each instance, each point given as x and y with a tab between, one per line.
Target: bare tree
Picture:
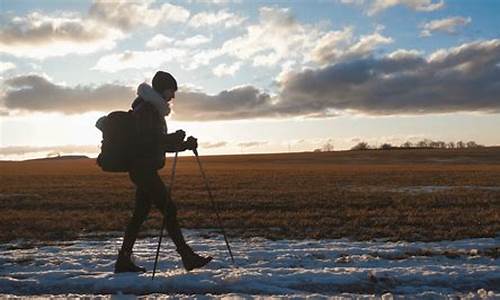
441	144
361	146
407	144
460	145
386	146
472	144
433	144
424	143
327	147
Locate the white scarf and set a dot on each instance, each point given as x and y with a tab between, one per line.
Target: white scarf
146	92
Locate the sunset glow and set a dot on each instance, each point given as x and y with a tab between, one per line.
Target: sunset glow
273	77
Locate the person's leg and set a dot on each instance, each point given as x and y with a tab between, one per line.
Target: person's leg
124	262
141	211
167	207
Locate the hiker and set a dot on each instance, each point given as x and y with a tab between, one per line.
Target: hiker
150	109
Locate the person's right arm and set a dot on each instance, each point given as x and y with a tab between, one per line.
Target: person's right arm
149	131
174	142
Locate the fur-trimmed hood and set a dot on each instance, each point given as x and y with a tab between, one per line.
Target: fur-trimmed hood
146	92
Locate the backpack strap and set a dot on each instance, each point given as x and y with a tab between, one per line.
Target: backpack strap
137	104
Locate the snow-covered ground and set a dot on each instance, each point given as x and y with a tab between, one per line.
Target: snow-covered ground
283	268
441	188
420	189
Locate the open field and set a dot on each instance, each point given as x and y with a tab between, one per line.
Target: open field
420	195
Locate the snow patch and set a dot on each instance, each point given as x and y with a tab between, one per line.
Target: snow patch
422	189
439	188
283	268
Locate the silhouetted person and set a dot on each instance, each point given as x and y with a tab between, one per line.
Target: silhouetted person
150	108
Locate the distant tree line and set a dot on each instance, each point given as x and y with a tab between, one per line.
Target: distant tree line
423	144
325	148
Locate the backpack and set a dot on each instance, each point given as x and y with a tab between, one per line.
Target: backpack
117	146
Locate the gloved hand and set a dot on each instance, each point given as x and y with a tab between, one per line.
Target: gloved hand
178	137
191	143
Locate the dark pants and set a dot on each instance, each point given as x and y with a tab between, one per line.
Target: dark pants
151	189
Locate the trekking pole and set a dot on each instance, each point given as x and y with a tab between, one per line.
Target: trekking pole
172	177
214	205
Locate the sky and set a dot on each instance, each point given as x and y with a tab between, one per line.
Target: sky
254	76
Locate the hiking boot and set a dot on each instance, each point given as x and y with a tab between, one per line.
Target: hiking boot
124	263
191	260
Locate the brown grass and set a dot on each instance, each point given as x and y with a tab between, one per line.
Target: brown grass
314	195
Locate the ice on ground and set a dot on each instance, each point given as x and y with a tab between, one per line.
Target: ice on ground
422	189
282	268
439	188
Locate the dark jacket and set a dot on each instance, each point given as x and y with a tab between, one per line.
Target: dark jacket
152	138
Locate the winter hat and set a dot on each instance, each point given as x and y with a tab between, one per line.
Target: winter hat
162	81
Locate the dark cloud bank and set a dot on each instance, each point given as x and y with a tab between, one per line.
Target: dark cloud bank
20	150
36	93
465	78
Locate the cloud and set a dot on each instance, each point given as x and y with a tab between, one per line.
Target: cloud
418	5
201	58
447	25
377	6
252	144
159	41
276	38
128	15
138	59
36	93
366	44
165	50
463	78
460	79
269	60
216	2
193	41
61	149
332	45
243	102
277	34
341	45
358	2
226	70
39	36
279	37
5	66
222	17
211	145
